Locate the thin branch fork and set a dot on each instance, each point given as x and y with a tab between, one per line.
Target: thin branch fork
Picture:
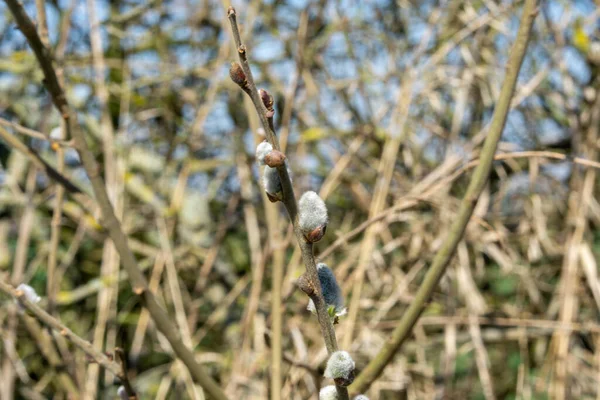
110	221
265	115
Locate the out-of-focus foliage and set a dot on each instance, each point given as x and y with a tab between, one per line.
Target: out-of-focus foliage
341	73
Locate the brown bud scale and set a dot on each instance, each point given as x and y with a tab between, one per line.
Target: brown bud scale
275	159
273	198
345	382
236	73
316	234
303	283
266	98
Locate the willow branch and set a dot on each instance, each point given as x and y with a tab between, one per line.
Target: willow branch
289	200
110	221
476	185
55	324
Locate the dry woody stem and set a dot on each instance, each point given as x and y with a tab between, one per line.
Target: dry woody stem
263	104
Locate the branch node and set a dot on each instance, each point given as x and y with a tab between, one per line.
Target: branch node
275	159
303	283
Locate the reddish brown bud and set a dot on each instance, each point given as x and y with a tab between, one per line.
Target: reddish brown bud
345	381
266	98
236	73
273	198
316	234
230	11
275	159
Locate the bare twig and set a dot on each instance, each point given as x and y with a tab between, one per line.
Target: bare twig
18	270
478	181
104	333
15	143
580	197
42	22
34	134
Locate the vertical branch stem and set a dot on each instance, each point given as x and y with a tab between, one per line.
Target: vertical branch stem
289	200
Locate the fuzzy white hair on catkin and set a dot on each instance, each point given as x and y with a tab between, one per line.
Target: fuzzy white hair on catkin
312	212
328	393
271	180
339	365
262	150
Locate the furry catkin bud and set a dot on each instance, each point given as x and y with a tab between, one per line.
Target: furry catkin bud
272	184
331	292
340	367
29	294
274	159
262	150
328	393
236	73
312	216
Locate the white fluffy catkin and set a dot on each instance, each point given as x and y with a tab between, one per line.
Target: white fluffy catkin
271	180
30	295
29	292
328	393
262	150
339	365
312	212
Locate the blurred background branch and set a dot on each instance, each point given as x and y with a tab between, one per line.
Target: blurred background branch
381	108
